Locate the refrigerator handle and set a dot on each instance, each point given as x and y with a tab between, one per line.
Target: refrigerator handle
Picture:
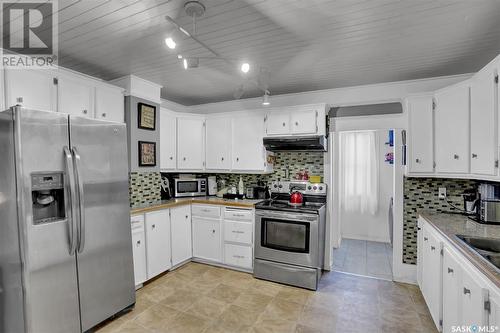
79	183
70	176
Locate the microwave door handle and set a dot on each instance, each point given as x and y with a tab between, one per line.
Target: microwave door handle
71	201
81	200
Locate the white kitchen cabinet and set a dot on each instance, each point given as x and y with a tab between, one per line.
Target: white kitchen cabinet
139	249
494	313
248	152
483	123
451	117
452	272
238	232
278	123
472	300
238	256
432	274
207	239
420	134
190	143
75	96
33	89
304	121
168	140
158	248
218	143
180	219
420	252
109	103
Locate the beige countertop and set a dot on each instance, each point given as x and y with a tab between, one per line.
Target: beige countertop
450	225
163	204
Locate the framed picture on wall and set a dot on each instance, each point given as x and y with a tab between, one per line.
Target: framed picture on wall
147	154
146	116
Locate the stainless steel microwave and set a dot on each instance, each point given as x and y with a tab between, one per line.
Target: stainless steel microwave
194	187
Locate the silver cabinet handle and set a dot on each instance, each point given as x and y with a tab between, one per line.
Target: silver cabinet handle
433	248
222	159
72	227
450	270
138	242
184	158
238	215
84	111
171	157
153	226
81	199
474	155
426	239
466	291
104	115
237	232
239	257
213	231
296	123
455	156
284	124
187	216
417	160
19	100
237	159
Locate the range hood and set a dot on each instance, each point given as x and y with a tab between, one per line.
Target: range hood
296	143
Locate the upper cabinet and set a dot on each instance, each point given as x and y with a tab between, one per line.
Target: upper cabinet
483	123
33	89
420	134
168	140
301	121
451	116
109	103
191	143
218	143
75	97
248	153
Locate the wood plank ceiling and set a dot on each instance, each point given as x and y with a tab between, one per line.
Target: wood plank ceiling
292	45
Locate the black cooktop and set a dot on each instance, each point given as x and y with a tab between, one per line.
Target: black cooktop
310	205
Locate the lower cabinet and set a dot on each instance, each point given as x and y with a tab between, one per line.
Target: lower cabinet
158	248
451	288
431	275
238	255
180	219
238	237
207	239
139	249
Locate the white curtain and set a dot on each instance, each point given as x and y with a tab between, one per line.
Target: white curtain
359	171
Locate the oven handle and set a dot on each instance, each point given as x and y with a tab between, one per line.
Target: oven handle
285	216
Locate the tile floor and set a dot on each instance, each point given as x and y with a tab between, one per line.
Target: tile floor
202	298
364	258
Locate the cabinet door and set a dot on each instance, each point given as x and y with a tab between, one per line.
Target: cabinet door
180	218
168	140
494	313
218	143
432	275
190	143
452	129
33	89
109	104
278	123
248	149
420	138
420	252
473	297
207	239
483	124
75	97
139	256
158	250
304	121
451	291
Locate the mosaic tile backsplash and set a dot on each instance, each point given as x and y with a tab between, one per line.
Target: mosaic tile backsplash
144	188
422	193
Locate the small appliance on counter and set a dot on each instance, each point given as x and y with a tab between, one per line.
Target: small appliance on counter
259	191
166	189
212	185
488	210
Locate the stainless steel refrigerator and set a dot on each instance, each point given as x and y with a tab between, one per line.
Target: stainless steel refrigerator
65	237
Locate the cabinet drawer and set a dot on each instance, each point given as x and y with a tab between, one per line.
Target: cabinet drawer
239	232
205	211
238	214
238	255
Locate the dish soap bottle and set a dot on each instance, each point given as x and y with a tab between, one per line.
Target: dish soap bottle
241	188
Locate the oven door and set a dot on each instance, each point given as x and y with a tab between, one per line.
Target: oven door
287	237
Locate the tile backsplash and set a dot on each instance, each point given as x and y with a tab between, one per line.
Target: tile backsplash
144	188
422	193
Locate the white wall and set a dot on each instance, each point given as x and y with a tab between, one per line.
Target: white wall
365	226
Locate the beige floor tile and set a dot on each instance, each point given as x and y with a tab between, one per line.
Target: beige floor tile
292	294
330	302
180	300
282	309
141	304
225	293
253	300
156	317
222	327
299	328
206	307
274	325
131	327
236	316
266	287
186	323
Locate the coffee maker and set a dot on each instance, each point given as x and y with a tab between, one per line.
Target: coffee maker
489	203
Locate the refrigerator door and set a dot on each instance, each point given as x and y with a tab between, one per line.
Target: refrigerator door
49	270
104	254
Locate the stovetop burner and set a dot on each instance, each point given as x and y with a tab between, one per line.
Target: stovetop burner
280	204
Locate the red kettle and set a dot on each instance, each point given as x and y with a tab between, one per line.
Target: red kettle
296	199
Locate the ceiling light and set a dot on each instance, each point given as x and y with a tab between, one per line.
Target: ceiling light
245	67
265	98
170	43
190	63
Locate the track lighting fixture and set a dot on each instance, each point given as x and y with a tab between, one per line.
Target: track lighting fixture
265	98
245	67
170	43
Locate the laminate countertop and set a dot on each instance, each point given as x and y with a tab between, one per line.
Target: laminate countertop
164	204
450	225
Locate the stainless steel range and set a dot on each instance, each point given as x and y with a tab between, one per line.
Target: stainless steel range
290	239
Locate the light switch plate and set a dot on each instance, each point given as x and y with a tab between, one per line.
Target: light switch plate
442	193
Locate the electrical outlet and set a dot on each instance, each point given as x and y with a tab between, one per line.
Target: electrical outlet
442	193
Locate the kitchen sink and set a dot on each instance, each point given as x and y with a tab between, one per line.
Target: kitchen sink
488	248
